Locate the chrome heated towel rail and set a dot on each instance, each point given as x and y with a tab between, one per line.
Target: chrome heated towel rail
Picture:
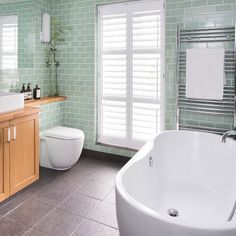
197	114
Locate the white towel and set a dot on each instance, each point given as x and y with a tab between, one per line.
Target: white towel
205	75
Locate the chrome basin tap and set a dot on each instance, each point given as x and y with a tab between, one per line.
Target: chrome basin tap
227	134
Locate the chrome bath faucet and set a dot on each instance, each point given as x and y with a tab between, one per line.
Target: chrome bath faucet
227	134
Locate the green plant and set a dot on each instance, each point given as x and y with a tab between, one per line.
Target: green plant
58	33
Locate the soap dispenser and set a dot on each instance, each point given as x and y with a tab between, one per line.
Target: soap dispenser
29	92
24	92
37	92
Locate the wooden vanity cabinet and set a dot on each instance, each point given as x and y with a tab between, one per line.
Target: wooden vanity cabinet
24	162
19	152
4	161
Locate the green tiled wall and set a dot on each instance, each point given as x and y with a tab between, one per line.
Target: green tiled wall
77	71
31	55
25	12
51	115
78	57
192	14
77	78
26	45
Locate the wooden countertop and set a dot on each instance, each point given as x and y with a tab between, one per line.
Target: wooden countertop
44	100
30	108
18	113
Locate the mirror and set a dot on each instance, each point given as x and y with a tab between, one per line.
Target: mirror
17	41
9	42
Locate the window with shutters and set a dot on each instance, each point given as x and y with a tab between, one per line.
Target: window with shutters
130	72
9	42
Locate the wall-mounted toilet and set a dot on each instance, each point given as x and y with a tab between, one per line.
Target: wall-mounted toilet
60	147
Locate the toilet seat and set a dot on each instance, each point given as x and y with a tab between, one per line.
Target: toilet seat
64	133
61	147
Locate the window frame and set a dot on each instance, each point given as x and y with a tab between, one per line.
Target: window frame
99	78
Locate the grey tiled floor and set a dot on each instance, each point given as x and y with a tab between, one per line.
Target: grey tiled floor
78	202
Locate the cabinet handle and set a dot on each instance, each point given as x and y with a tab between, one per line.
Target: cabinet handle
9	135
14	133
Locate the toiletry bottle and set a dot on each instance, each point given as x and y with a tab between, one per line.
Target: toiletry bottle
29	92
24	92
37	92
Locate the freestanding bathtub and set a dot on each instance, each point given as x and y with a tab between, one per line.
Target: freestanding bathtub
182	183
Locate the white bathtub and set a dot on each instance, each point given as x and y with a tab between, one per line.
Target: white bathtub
192	172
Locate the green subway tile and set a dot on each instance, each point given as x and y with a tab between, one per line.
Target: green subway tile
224	8
198	3
215	2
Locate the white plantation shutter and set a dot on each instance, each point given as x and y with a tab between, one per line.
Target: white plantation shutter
8	42
130	73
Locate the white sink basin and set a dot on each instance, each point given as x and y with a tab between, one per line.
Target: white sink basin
11	101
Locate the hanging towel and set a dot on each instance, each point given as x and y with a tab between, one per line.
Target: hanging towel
205	75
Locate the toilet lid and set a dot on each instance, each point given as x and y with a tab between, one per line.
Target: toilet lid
61	132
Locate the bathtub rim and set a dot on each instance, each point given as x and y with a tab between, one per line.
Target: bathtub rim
141	154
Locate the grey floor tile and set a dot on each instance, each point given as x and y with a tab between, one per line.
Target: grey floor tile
76	191
11	228
29	213
51	195
105	176
111	197
70	182
59	223
34	188
79	204
49	174
91	228
10	205
83	170
104	213
88	163
111	165
19	198
95	190
33	232
13	203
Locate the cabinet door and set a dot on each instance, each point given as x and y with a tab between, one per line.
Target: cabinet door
4	161
24	152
